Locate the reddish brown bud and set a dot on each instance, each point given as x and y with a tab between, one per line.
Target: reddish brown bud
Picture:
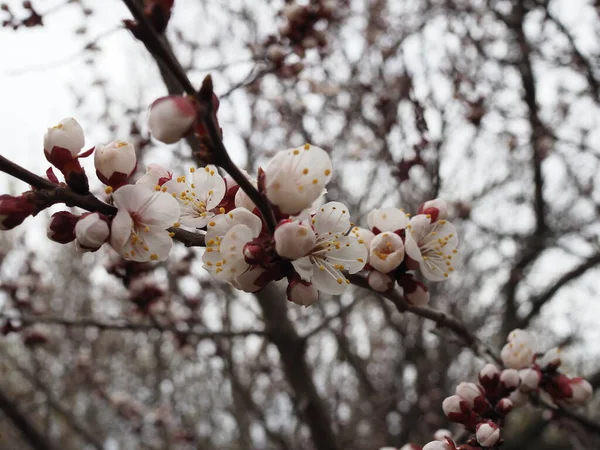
14	210
61	228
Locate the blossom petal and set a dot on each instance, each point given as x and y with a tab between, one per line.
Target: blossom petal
304	268
295	178
332	217
330	280
120	230
351	254
222	223
387	219
209	185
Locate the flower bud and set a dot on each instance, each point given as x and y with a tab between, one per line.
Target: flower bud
67	135
437	209
551	359
488	434
302	293
509	378
415	292
474	396
293	239
489	376
14	210
504	406
520	350
386	252
457	409
437	445
91	231
530	379
61	227
171	118
581	392
442	434
115	162
380	282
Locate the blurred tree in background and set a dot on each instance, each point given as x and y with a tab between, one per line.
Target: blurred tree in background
490	105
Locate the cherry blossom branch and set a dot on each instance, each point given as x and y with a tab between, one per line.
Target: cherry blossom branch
127	326
48	193
219	154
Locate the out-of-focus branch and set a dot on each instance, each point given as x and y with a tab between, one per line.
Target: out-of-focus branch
442	320
90	322
538	302
28	430
291	346
56	404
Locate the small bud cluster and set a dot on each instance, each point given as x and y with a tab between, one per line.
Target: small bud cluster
299	32
482	407
398	244
31	19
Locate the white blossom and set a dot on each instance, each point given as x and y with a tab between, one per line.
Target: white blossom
91	231
333	252
488	434
302	293
530	379
138	231
226	236
519	351
68	134
294	239
155	175
198	195
386	252
437	445
432	245
364	236
170	118
296	177
116	157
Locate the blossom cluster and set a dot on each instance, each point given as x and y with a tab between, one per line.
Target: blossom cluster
315	248
481	407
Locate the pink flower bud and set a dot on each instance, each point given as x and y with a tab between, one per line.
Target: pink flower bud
489	376
509	378
171	118
115	162
91	231
437	209
530	379
302	293
457	409
61	228
415	292
14	210
380	282
473	394
581	392
488	434
67	135
293	239
504	406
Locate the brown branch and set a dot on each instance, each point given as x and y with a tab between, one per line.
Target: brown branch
309	405
90	322
49	194
28	430
442	320
538	302
219	155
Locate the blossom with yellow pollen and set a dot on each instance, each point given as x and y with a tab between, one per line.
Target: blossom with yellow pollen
198	194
